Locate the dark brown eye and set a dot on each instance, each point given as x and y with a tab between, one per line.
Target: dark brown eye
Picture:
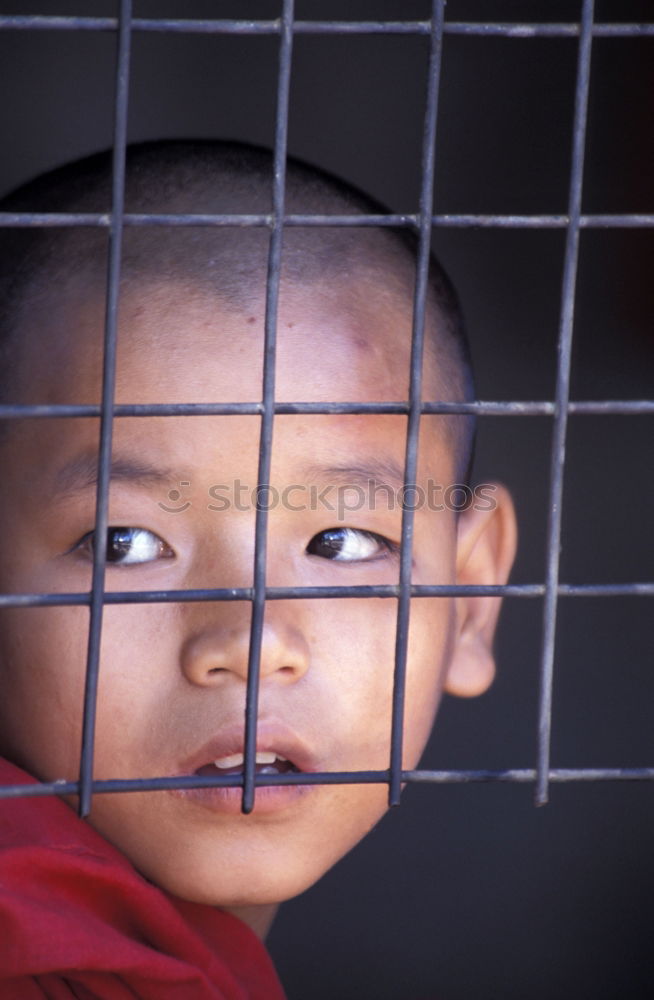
349	545
130	546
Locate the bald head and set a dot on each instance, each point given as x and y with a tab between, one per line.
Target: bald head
210	177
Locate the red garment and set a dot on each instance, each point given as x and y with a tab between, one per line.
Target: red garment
76	920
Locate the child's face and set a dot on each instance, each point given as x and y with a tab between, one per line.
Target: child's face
173	676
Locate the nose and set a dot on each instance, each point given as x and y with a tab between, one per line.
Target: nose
216	652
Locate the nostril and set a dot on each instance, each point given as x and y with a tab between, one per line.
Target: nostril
212	654
287	670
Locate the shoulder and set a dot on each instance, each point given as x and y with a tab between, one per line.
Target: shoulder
73	908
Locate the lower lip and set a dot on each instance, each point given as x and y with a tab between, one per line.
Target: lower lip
267	799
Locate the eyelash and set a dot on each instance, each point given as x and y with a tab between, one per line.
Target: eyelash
162	550
355	536
329	544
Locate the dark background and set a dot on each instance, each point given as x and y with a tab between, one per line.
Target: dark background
464	891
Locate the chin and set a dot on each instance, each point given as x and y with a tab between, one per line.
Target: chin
235	886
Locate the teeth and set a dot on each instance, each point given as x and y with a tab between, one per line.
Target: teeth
236	759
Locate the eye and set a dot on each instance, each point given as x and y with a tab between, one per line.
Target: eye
129	546
350	545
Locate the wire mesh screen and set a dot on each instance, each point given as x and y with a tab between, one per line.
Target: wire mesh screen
590	36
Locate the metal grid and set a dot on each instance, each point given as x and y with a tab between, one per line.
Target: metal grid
285	27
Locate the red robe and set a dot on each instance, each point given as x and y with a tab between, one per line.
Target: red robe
76	920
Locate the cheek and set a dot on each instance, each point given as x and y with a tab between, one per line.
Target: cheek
139	666
353	647
354	660
431	637
136	644
42	667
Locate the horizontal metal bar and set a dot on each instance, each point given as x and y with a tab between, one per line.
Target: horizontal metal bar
196	781
560	775
632	220
553	30
40	22
361	592
606	589
489	408
623	407
103	220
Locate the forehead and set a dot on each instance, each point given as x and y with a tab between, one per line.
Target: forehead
177	343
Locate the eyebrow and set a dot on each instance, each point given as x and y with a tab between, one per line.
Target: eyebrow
383	471
81	473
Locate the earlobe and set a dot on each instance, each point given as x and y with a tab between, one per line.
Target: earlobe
472	666
486	545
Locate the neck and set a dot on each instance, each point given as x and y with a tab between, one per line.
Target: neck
258	918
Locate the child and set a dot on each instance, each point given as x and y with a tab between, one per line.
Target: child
153	897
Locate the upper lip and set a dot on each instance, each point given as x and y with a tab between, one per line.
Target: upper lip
272	735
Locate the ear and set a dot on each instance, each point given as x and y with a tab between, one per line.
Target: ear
486	545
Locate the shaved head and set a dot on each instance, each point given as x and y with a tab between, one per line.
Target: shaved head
211	177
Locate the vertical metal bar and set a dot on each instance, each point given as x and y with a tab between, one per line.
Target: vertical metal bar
265	442
106	419
415	396
561	402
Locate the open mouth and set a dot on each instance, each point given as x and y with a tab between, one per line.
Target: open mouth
267	762
282	754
